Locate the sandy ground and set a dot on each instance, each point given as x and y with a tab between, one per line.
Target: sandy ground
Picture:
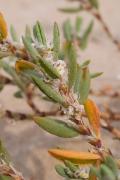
26	142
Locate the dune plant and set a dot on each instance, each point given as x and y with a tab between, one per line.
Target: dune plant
66	83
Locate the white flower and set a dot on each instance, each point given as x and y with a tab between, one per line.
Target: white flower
60	65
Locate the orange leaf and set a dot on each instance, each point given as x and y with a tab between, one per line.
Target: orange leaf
24	65
3	28
75	157
93	115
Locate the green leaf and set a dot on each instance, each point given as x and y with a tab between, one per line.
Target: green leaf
46	66
110	162
56	127
85	63
94	75
49	68
78	24
18	94
94	172
14	34
84	39
1	86
71	10
56	41
61	170
28	33
84	85
4	154
67	29
31	50
72	65
48	90
11	71
36	32
94	3
71	166
78	80
39	34
106	173
5	177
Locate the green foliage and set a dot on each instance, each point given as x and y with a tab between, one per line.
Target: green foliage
84	39
67	29
95	75
4	154
39	34
49	68
75	33
84	84
108	170
31	50
94	3
1	86
28	34
71	10
18	94
56	127
48	90
70	171
36	67
14	34
78	80
37	59
11	71
56	41
72	65
61	170
5	178
78	25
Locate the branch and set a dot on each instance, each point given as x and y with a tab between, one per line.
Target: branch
10	171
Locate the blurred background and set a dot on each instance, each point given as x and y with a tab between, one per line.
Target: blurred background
27	143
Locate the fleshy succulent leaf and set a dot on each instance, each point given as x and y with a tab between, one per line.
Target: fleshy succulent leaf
72	65
71	10
14	34
78	24
56	41
78	80
94	3
48	90
56	127
84	39
4	154
95	75
75	157
84	85
61	170
67	29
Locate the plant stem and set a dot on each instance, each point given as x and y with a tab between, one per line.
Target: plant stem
87	7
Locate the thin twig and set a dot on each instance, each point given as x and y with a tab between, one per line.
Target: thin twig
107	125
95	12
10	172
87	7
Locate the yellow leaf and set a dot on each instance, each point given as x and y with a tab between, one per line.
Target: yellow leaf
22	65
93	115
3	28
83	158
